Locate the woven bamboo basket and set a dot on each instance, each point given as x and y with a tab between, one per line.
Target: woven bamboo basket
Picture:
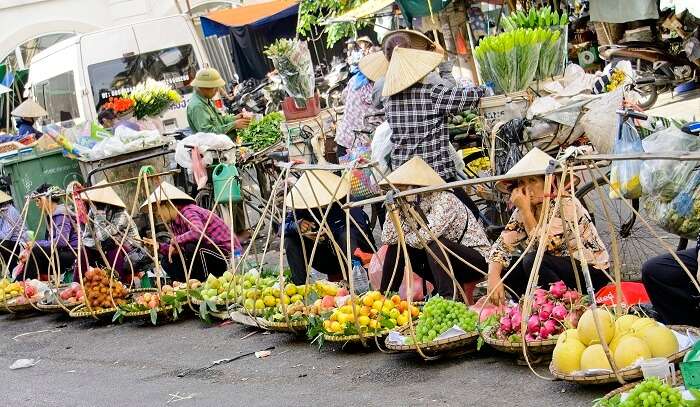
355	338
9	307
434	347
297	327
628	374
57	308
534	347
165	312
83	311
245	319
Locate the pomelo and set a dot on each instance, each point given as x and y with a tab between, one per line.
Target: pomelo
567	355
629	350
661	341
593	357
568	334
624	323
587	332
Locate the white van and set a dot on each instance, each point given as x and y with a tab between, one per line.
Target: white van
75	77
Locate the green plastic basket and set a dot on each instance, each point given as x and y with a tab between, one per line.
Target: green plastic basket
691	374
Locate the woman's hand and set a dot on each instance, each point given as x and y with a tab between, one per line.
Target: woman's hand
520	197
305	226
496	291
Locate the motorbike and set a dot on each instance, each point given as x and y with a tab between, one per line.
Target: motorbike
248	95
670	70
331	85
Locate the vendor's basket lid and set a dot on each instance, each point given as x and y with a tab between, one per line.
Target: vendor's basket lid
314	189
208	78
534	163
165	192
415	172
29	108
105	195
4	198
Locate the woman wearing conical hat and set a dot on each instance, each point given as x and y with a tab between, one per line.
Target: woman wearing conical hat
308	200
527	193
447	219
110	225
189	225
11	231
27	113
417	107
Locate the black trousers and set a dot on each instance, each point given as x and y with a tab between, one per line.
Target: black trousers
673	295
206	261
427	266
553	269
38	262
325	259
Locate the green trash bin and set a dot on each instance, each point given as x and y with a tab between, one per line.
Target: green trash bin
27	171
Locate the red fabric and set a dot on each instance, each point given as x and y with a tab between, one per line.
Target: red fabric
632	293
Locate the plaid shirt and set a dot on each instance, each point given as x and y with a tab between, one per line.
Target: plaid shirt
417	119
190	230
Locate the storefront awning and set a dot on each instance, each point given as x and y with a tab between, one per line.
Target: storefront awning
219	22
366	9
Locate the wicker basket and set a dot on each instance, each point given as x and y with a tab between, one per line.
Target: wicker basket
297	327
628	374
57	308
10	307
436	346
534	347
165	312
354	338
84	312
244	319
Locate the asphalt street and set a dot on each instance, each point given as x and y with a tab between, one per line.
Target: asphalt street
83	363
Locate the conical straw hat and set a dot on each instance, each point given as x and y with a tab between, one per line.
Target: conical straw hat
407	67
166	192
535	163
414	172
29	108
105	195
314	189
374	66
4	198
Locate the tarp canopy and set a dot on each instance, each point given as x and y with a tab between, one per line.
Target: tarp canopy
420	8
364	10
255	15
252	28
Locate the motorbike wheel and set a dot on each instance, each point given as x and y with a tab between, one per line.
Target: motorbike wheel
648	95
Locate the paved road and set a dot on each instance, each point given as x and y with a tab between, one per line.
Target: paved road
87	364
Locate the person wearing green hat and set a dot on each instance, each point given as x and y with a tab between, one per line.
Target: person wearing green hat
202	114
203	117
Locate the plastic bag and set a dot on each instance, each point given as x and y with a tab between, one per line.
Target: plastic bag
382	146
359	278
204	142
363	184
665	178
297	72
624	174
600	121
682	216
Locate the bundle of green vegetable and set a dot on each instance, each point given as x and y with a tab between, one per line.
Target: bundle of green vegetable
553	50
264	132
292	60
542	18
510	59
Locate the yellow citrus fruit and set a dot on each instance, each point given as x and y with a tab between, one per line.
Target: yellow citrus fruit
290	289
363	320
269	300
394	313
367	300
297	298
259	304
402	320
343	318
327	325
377	305
335	326
334	316
365	310
373	323
346	309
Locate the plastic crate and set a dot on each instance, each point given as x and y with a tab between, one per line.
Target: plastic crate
293	112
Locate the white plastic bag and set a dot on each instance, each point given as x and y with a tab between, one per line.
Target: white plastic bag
600	121
205	142
665	178
382	146
624	174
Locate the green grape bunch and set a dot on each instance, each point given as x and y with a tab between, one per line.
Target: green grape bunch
440	314
653	392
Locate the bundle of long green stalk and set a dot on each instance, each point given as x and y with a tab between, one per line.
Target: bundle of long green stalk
511	58
541	18
553	50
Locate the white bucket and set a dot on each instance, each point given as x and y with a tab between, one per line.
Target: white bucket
661	368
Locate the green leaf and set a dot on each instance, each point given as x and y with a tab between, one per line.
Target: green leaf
116	316
154	316
203	310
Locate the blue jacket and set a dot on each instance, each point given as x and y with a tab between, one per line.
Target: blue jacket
25	128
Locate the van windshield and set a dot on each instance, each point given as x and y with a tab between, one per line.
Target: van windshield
175	66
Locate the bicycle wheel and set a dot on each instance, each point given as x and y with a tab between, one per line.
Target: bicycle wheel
636	243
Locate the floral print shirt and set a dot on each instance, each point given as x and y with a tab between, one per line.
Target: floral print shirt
446	217
514	237
358	103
